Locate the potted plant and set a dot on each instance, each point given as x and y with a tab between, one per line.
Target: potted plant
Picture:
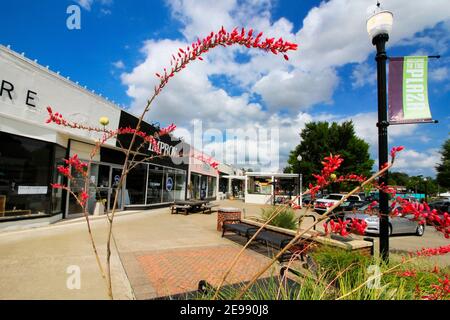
99	207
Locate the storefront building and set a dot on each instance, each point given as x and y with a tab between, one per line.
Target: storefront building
203	180
30	149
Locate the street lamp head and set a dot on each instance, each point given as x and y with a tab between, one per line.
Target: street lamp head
379	22
299	157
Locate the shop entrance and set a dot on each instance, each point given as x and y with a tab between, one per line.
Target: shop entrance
104	180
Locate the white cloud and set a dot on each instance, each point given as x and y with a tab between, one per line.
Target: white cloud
119	64
414	162
439	74
87	4
363	74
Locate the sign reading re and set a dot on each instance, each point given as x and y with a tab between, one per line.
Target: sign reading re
73	22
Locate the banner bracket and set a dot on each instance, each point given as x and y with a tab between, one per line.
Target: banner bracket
393	123
438	56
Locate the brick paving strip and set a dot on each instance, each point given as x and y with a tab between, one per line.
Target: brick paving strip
168	272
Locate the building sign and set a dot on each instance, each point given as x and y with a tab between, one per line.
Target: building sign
7	89
169	184
32	190
408	90
165	149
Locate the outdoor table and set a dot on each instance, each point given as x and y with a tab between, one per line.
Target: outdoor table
195	204
227	213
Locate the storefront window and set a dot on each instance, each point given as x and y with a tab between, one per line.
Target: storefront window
154	185
285	186
259	185
203	187
77	186
212	181
194	187
180	185
60	154
168	186
136	184
25	172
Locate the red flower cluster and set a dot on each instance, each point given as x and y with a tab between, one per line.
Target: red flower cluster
350	177
208	160
57	186
394	151
429	252
76	164
339	227
148	138
58	119
358	226
83	198
330	165
73	163
164	131
422	213
441	290
221	38
408	273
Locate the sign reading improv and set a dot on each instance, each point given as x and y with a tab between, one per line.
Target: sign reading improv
408	90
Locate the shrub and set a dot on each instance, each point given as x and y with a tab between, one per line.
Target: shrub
285	219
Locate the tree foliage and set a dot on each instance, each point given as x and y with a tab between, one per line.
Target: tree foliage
319	139
443	169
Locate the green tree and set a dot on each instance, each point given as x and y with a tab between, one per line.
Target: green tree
319	139
443	169
398	179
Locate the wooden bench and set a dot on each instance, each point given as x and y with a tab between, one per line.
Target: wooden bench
237	227
268	237
207	208
176	208
279	238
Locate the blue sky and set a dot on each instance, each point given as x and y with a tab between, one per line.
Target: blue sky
122	43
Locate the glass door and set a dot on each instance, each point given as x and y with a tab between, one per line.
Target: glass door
169	185
154	185
103	184
116	173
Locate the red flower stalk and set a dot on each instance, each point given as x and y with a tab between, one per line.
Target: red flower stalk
408	273
429	252
394	151
169	129
57	186
358	226
221	38
441	290
339	227
83	198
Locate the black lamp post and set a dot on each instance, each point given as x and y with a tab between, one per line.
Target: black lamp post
379	25
426	189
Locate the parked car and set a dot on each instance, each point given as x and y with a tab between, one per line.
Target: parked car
397	225
347	207
440	206
321	205
306	200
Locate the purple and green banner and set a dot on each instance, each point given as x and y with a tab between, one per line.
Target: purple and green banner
408	90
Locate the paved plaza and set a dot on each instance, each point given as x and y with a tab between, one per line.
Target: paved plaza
154	254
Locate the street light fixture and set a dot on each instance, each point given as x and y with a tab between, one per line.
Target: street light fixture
379	25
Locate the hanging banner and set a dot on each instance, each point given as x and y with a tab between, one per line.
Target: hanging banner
408	90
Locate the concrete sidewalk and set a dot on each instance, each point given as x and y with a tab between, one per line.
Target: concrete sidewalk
34	262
